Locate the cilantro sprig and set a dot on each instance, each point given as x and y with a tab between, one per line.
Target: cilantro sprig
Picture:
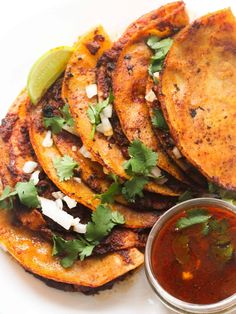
103	221
65	167
142	159
158	120
26	192
56	123
94	112
193	217
160	48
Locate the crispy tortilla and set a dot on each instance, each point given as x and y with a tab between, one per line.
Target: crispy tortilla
34	255
168	144
129	88
197	94
80	73
76	190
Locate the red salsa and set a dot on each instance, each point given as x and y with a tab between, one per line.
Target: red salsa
193	256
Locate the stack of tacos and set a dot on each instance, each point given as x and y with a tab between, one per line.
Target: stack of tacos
87	170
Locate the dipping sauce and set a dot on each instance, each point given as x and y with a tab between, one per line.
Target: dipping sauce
193	255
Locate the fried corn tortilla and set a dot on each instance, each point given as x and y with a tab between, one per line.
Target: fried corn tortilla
34	255
167	143
74	189
81	72
197	94
129	88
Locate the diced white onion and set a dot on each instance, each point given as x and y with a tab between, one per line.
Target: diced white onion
91	90
58	195
69	202
48	142
59	203
105	126
51	210
29	166
176	152
74	148
156	75
35	177
156	172
75	221
107	111
69	129
76	179
150	96
80	228
83	150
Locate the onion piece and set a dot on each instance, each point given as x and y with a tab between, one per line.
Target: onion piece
48	142
83	150
30	166
91	90
107	111
35	177
176	153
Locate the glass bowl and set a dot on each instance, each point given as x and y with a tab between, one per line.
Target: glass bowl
225	306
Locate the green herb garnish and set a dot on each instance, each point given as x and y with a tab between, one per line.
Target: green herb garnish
158	120
56	123
103	221
142	160
26	192
161	48
113	190
94	112
7	197
134	187
65	167
187	195
193	217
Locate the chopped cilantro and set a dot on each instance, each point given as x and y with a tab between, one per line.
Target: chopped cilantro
134	187
113	190
56	123
65	167
103	220
27	194
94	112
6	199
71	250
161	48
158	120
142	160
66	115
193	217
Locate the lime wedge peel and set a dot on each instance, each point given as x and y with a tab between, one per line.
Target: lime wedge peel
46	70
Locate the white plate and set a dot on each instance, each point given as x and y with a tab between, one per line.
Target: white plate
28	29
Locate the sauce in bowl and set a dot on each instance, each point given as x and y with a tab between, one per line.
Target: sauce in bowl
193	254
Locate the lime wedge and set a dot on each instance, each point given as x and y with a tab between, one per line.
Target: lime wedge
46	70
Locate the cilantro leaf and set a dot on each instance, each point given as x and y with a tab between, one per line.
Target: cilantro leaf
65	167
134	187
94	112
193	217
70	250
108	196
117	218
27	194
103	220
158	120
67	116
56	124
161	48
113	190
6	199
142	160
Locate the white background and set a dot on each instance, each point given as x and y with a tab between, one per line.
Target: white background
28	28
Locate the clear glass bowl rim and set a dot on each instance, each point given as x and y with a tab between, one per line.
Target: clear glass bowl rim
170	301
